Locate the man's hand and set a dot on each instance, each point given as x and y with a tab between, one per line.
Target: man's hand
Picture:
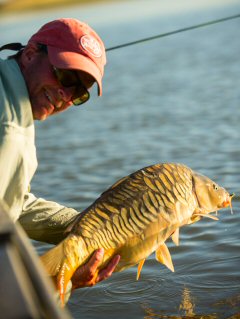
86	275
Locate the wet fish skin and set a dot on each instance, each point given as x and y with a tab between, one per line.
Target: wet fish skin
134	218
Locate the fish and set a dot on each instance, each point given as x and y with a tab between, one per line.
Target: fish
134	218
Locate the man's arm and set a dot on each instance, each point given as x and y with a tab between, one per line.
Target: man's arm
45	221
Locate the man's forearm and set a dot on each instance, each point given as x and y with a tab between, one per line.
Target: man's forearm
45	221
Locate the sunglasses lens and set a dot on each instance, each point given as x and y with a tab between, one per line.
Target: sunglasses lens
67	78
81	95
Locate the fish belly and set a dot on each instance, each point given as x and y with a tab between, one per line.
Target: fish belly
140	247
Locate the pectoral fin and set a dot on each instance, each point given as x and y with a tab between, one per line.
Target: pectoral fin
175	237
140	265
207	215
163	256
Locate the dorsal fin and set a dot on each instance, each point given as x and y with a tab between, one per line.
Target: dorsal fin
116	184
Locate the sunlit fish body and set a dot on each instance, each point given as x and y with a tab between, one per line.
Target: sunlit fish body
134	218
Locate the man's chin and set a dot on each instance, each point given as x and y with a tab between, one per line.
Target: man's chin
41	114
43	118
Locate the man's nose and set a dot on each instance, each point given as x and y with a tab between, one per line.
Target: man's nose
66	93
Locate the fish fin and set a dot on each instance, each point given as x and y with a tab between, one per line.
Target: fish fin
163	256
59	267
208	216
115	184
140	265
52	259
71	225
175	237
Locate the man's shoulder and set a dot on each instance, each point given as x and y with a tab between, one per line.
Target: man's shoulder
14	100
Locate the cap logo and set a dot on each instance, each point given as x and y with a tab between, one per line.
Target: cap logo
91	45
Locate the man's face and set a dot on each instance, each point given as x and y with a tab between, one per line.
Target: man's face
47	95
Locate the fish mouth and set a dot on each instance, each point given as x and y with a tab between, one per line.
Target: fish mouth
228	201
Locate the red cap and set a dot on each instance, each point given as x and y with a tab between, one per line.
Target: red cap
72	44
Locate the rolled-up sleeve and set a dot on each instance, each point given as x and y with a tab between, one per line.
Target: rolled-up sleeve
45	221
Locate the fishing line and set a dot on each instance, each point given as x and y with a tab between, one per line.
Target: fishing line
174	32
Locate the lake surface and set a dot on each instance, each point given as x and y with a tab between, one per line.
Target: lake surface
176	99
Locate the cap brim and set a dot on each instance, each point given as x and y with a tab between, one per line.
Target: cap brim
72	60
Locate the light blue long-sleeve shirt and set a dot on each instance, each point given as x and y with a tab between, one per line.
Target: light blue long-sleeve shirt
42	220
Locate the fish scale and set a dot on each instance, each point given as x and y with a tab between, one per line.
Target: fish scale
134	218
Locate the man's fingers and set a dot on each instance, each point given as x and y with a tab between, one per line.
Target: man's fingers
87	275
95	260
86	272
108	270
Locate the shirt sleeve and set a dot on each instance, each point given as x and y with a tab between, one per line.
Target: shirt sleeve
45	221
17	167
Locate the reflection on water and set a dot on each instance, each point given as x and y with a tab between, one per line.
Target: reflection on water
187	305
150	313
187	308
172	100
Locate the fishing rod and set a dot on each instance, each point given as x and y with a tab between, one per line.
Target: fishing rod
173	32
17	46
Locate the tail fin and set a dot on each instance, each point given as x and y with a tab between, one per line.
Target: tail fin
61	267
52	259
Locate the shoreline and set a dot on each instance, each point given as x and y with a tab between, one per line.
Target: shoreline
25	6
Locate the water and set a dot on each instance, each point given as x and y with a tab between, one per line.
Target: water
169	100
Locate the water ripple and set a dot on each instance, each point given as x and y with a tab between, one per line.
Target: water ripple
128	289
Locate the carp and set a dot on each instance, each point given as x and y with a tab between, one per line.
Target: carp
134	218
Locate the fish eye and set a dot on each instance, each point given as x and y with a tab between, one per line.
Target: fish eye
215	187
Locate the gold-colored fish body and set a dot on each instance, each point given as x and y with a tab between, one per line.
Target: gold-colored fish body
139	213
134	218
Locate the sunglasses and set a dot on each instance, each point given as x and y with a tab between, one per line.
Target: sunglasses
69	78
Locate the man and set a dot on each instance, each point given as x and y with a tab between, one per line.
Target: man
55	70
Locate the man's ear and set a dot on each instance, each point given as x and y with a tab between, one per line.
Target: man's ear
29	54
